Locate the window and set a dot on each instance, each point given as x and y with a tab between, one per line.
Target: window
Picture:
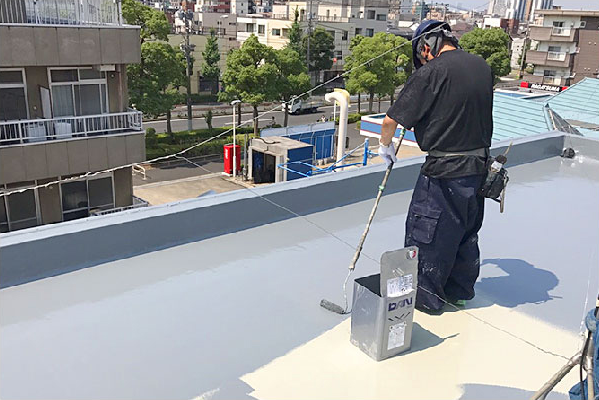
261	29
13	95
558	24
100	193
381	17
583	24
339	55
22	210
556	49
79	91
3	216
328	13
358	31
370	14
276	32
249	27
285	32
369	32
549	72
344	35
74	200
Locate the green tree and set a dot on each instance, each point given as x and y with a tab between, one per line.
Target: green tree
384	73
211	56
295	33
251	75
322	45
492	45
292	78
153	23
154	84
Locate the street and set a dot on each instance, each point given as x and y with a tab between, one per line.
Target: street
180	124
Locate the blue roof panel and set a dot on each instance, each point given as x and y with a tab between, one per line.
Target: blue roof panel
579	102
514	118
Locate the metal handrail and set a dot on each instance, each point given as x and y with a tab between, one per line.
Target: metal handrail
61	12
38	130
556	55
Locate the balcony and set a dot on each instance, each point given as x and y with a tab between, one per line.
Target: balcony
554	34
63	128
556	56
548	58
64	146
61	12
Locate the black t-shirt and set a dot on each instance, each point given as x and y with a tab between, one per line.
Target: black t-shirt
449	101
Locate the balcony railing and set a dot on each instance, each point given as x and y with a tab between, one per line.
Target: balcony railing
558	31
137	203
41	130
556	56
61	12
552	80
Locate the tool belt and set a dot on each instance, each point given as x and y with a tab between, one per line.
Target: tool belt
482	152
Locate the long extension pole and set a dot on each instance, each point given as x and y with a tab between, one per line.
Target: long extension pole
329	305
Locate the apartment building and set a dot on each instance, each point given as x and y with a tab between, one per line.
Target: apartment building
343	20
270	31
564	47
64	110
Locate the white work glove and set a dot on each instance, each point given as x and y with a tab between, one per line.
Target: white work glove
387	153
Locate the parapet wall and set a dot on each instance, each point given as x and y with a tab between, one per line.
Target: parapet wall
50	250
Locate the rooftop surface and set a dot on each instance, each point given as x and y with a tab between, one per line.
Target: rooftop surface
236	315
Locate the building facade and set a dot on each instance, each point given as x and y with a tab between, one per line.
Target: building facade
564	47
343	20
64	110
524	10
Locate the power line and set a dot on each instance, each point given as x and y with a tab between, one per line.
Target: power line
180	153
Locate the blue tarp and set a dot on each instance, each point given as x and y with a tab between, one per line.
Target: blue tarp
593	326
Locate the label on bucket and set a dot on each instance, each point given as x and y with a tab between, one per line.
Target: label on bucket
396	335
399	285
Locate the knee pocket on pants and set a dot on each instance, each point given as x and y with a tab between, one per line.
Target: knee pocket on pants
422	223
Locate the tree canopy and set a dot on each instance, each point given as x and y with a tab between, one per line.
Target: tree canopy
293	78
211	56
251	75
322	45
154	82
492	45
382	75
153	23
295	33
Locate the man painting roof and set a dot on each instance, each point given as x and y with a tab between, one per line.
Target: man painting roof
448	103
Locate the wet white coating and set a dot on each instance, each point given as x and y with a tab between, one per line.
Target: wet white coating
194	319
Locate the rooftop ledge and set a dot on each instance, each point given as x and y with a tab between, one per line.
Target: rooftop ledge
31	253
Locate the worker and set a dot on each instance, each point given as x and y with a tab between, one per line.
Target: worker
447	102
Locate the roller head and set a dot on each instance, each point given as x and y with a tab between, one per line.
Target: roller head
330	306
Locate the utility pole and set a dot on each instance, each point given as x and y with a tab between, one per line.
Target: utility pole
524	45
308	37
185	14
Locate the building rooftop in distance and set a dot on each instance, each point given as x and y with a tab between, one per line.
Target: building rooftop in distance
579	105
559	12
218	297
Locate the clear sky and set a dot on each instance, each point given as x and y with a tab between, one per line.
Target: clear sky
567	4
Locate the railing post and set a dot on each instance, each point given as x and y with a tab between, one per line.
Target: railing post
20	130
119	11
77	11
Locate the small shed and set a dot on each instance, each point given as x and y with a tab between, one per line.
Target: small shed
266	154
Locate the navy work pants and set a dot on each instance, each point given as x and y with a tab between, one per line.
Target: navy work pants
444	218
